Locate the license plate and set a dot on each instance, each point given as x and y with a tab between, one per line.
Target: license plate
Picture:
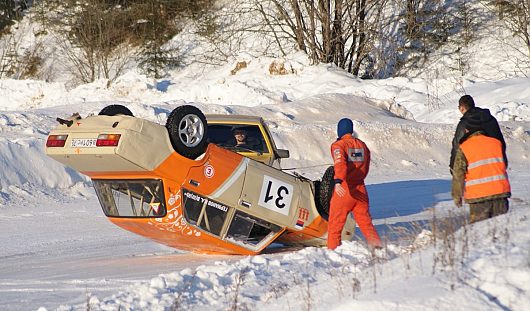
83	142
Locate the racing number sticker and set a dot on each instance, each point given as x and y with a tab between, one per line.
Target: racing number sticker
209	171
276	195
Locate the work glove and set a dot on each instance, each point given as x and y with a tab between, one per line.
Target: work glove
458	202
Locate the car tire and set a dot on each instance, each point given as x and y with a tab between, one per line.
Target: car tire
324	192
114	110
188	131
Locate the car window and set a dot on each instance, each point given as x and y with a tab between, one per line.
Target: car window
249	230
203	212
223	135
131	198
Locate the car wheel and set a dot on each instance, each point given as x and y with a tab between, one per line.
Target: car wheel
188	131
114	110
325	190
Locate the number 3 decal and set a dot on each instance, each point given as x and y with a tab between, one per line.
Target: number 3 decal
276	195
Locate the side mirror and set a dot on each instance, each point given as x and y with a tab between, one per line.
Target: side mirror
282	153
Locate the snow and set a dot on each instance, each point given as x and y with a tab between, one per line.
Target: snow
59	252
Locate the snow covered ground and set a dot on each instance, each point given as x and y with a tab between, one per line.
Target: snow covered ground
59	252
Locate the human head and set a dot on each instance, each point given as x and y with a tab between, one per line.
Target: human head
240	135
345	126
465	103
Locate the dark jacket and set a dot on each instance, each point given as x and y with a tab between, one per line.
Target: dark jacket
490	128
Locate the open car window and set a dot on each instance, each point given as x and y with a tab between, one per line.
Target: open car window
223	135
204	213
212	216
249	230
131	198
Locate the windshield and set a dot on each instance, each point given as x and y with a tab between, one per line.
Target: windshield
131	198
238	137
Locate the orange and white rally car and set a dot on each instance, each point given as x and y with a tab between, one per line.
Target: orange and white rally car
187	186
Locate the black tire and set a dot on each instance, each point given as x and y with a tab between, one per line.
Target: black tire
114	110
188	131
324	191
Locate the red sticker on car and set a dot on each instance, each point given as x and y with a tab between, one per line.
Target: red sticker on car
303	214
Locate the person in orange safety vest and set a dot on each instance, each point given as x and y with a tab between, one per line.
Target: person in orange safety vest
351	160
479	174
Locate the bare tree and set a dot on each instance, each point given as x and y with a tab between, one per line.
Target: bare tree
329	31
428	25
18	60
229	28
103	36
516	16
10	10
97	38
466	17
8	55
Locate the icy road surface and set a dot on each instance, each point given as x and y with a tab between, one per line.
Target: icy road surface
61	252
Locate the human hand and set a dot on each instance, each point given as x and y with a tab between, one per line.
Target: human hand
339	189
458	202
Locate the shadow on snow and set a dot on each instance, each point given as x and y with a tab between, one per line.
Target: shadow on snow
402	200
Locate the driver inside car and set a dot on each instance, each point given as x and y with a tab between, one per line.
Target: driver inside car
240	137
242	141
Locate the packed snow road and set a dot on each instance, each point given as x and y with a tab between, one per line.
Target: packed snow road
58	253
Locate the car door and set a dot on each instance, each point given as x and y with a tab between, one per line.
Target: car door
269	193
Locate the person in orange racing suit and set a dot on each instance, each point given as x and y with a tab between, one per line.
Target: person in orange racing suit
351	160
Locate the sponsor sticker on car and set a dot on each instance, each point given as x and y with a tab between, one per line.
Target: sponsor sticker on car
198	198
299	224
83	142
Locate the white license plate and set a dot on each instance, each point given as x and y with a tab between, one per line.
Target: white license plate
83	142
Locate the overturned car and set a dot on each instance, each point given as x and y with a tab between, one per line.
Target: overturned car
186	185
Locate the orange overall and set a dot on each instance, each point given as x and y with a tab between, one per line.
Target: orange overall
351	158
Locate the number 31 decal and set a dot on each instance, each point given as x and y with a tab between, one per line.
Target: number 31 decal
276	195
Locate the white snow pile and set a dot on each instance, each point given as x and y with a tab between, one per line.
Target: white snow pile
484	266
